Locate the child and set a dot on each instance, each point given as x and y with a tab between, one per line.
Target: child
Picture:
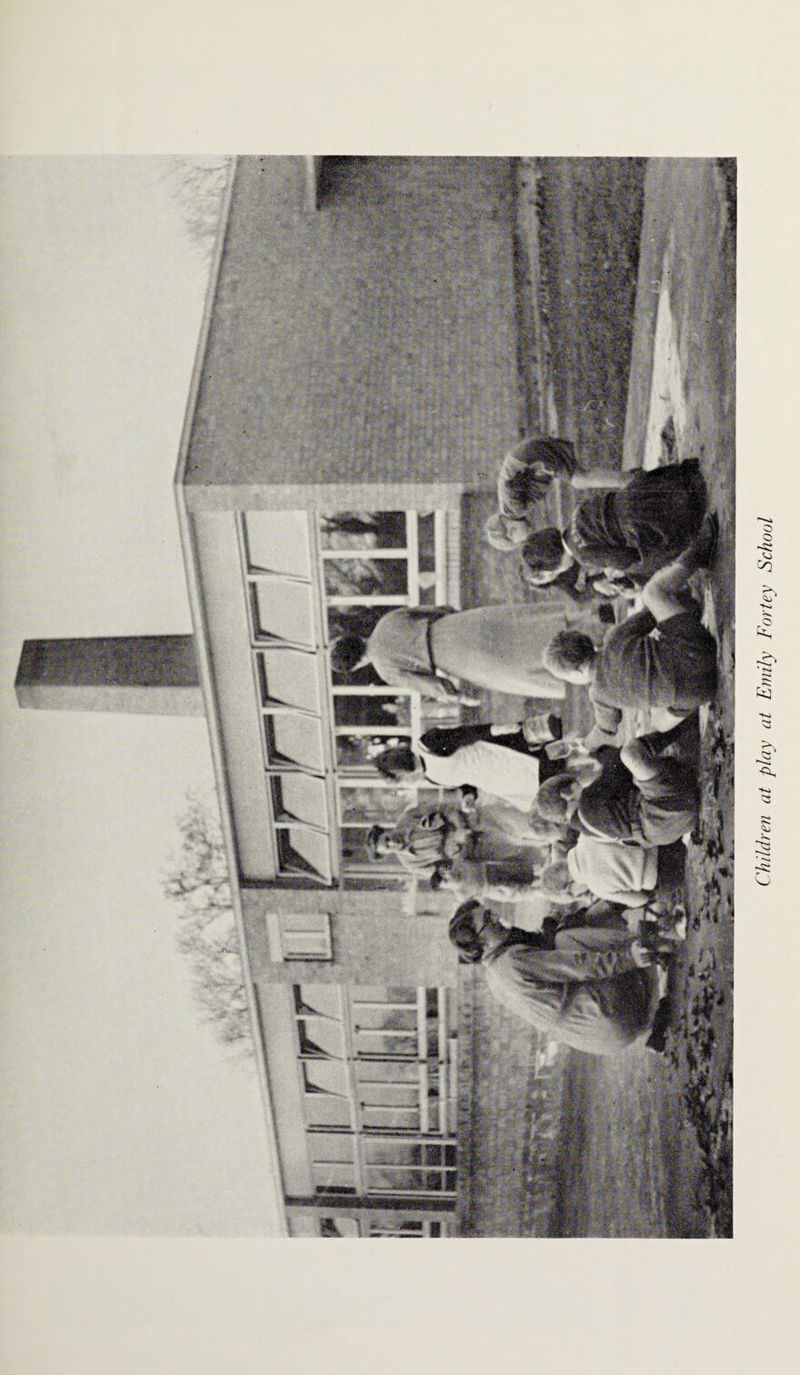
631	531
525	475
662	657
638	798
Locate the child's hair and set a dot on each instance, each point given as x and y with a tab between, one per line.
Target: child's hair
395	761
568	650
542	832
374	835
542	551
551	799
346	652
462	932
441	871
556	878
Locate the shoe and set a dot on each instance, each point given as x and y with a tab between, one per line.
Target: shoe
657	1040
708	538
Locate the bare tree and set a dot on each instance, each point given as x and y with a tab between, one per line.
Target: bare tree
196	881
198	185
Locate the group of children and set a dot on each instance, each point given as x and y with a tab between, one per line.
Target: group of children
577	833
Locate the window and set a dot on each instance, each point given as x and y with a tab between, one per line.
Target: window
399	1226
298	797
296	740
374	561
299	935
282	610
378	1077
288	678
277	542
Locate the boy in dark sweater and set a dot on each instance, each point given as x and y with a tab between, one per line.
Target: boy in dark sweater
662	657
639	798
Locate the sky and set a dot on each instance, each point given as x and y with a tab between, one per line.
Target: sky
119	1113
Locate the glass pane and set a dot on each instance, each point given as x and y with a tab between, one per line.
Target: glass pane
320	1036
382	1180
303	852
386	1043
369	805
339	1227
334	1176
363	577
294	740
323	1110
399	1229
381	993
283	610
391	711
334	1148
426	542
357	752
363	530
369	1018
400	1097
299	798
325	1076
277	542
322	998
383	1073
384	1151
290	677
383	1116
306	946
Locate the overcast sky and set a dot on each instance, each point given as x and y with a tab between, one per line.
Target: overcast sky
119	1112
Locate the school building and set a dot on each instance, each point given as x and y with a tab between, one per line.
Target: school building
360	369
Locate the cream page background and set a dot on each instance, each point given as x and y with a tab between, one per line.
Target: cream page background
472	78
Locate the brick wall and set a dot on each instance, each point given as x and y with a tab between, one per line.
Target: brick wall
375	339
373	940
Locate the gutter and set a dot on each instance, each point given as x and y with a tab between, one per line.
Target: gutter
203	658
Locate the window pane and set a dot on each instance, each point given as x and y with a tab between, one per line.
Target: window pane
368	1018
357	752
384	1151
303	852
368	805
391	711
290	677
319	1036
283	610
426	542
277	542
381	1117
334	1176
364	577
382	1074
323	1110
339	1227
363	530
322	998
386	1043
325	1076
400	1229
299	798
381	993
381	1180
294	740
390	1096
